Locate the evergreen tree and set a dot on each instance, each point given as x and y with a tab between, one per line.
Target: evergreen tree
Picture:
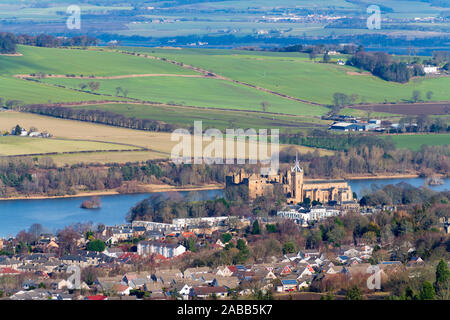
226	237
288	247
354	294
96	245
256	229
441	284
427	291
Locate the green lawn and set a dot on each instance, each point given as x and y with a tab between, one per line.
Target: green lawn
414	142
199	92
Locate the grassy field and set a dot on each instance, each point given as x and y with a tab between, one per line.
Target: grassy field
82	62
287	73
301	78
13	146
414	142
78	130
219	103
199	92
31	92
220	119
158	145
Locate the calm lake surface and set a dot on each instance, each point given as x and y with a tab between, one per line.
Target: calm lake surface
54	214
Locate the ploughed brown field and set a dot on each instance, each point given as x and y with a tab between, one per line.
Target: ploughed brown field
424	108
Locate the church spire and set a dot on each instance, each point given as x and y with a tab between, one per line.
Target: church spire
296	167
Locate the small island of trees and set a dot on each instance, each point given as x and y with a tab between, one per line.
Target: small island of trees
93	203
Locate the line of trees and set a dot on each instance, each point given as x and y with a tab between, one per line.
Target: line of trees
382	65
422	123
49	41
97	116
9	41
31	176
326	140
319	48
364	159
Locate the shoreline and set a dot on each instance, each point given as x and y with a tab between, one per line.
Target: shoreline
378	177
153	188
145	189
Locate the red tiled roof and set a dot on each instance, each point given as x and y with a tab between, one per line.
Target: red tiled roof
8	271
129	255
97	297
232	268
188	234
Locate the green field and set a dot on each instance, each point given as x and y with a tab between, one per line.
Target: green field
82	62
293	74
199	92
299	77
218	102
414	142
32	92
10	146
185	117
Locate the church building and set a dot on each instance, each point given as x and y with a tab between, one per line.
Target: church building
294	186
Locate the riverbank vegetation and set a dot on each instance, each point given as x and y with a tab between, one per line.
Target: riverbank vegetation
41	176
375	160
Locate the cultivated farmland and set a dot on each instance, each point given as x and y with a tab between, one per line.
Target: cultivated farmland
222	88
82	62
32	92
200	92
14	146
298	77
75	136
211	118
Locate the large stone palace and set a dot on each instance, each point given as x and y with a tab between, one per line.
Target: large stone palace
294	186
